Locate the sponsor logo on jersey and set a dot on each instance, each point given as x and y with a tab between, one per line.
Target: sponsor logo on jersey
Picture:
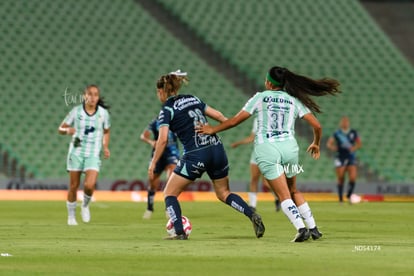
276	100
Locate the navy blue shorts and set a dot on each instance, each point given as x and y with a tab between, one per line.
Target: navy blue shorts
164	162
211	159
343	161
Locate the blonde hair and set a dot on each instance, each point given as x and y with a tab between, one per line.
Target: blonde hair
171	83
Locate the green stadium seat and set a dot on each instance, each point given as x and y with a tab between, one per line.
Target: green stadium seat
61	46
347	41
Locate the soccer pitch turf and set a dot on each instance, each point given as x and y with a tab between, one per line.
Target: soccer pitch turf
366	238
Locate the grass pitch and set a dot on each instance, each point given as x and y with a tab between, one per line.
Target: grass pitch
362	239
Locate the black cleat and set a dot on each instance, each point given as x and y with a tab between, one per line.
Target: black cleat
315	234
258	225
177	237
302	235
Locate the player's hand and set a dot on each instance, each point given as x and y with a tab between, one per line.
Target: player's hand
107	153
203	129
313	149
352	149
70	131
234	145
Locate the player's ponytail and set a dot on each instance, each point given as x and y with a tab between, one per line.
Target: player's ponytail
302	87
102	103
172	82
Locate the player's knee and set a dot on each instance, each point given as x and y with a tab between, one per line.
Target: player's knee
341	181
89	186
73	185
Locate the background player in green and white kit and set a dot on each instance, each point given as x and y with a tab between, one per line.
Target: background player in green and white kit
88	124
255	173
287	96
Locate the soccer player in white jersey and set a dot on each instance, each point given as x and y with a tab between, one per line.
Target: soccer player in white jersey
88	124
287	97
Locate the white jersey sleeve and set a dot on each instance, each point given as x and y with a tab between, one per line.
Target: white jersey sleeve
70	117
107	120
301	109
250	105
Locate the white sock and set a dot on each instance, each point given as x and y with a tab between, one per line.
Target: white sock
71	206
292	212
86	200
306	214
252	199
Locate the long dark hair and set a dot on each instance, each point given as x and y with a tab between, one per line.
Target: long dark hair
101	101
302	87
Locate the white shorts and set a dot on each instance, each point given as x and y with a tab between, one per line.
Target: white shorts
277	158
82	164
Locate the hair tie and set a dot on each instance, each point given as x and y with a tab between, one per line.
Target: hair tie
178	73
273	81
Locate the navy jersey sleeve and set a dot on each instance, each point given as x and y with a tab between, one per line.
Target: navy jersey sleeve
202	104
356	136
165	115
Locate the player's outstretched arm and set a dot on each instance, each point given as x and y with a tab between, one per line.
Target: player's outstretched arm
246	140
215	114
232	122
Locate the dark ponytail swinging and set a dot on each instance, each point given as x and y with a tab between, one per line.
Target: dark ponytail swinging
102	103
302	87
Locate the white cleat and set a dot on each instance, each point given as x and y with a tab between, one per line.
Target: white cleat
72	221
86	214
147	214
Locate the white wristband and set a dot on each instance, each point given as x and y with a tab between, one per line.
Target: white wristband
64	129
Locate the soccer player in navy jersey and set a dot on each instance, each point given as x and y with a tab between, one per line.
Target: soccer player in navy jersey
345	142
167	162
202	153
